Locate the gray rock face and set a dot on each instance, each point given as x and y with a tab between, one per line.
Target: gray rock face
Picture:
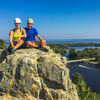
31	74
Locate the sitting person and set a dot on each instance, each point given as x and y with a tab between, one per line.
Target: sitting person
31	33
19	37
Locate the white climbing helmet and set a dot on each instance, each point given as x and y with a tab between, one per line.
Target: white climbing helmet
17	20
30	21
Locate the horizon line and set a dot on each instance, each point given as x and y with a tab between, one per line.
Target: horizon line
65	39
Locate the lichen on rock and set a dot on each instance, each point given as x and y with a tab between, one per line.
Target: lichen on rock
32	74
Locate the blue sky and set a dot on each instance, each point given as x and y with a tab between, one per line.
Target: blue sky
54	19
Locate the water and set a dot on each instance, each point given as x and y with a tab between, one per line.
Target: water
68	41
90	74
7	42
82	48
72	41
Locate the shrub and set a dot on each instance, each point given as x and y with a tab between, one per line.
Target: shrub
2	44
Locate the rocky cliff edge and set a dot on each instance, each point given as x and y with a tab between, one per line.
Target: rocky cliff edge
32	74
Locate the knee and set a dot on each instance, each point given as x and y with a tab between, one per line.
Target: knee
21	41
43	41
28	43
43	46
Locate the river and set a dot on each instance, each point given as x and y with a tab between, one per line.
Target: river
89	72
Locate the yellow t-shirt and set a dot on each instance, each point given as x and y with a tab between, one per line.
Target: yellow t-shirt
15	36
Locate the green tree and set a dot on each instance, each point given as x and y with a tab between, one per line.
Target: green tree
98	57
84	54
72	53
2	44
58	48
72	50
83	93
81	86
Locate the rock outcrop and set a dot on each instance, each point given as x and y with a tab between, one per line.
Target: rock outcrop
32	74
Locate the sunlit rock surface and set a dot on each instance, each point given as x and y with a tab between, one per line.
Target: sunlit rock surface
32	74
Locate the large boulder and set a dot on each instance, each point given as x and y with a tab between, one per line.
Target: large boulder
32	74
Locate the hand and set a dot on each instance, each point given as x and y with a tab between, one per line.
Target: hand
12	46
43	42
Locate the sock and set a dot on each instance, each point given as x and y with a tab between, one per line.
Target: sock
12	51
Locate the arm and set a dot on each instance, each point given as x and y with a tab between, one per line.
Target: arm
23	33
42	41
10	38
39	37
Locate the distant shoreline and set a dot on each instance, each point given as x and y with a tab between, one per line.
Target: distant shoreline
63	41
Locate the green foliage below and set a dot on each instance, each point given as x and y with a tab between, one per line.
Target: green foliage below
66	45
61	48
58	48
86	53
83	92
83	44
2	44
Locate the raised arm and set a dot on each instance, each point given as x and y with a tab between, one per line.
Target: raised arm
23	33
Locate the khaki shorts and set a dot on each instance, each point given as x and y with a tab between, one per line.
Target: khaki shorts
36	42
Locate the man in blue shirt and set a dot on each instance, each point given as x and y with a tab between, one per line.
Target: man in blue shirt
31	33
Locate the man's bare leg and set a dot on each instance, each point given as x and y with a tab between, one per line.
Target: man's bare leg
43	45
40	44
36	45
32	45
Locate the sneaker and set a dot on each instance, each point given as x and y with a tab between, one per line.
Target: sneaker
43	49
12	51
